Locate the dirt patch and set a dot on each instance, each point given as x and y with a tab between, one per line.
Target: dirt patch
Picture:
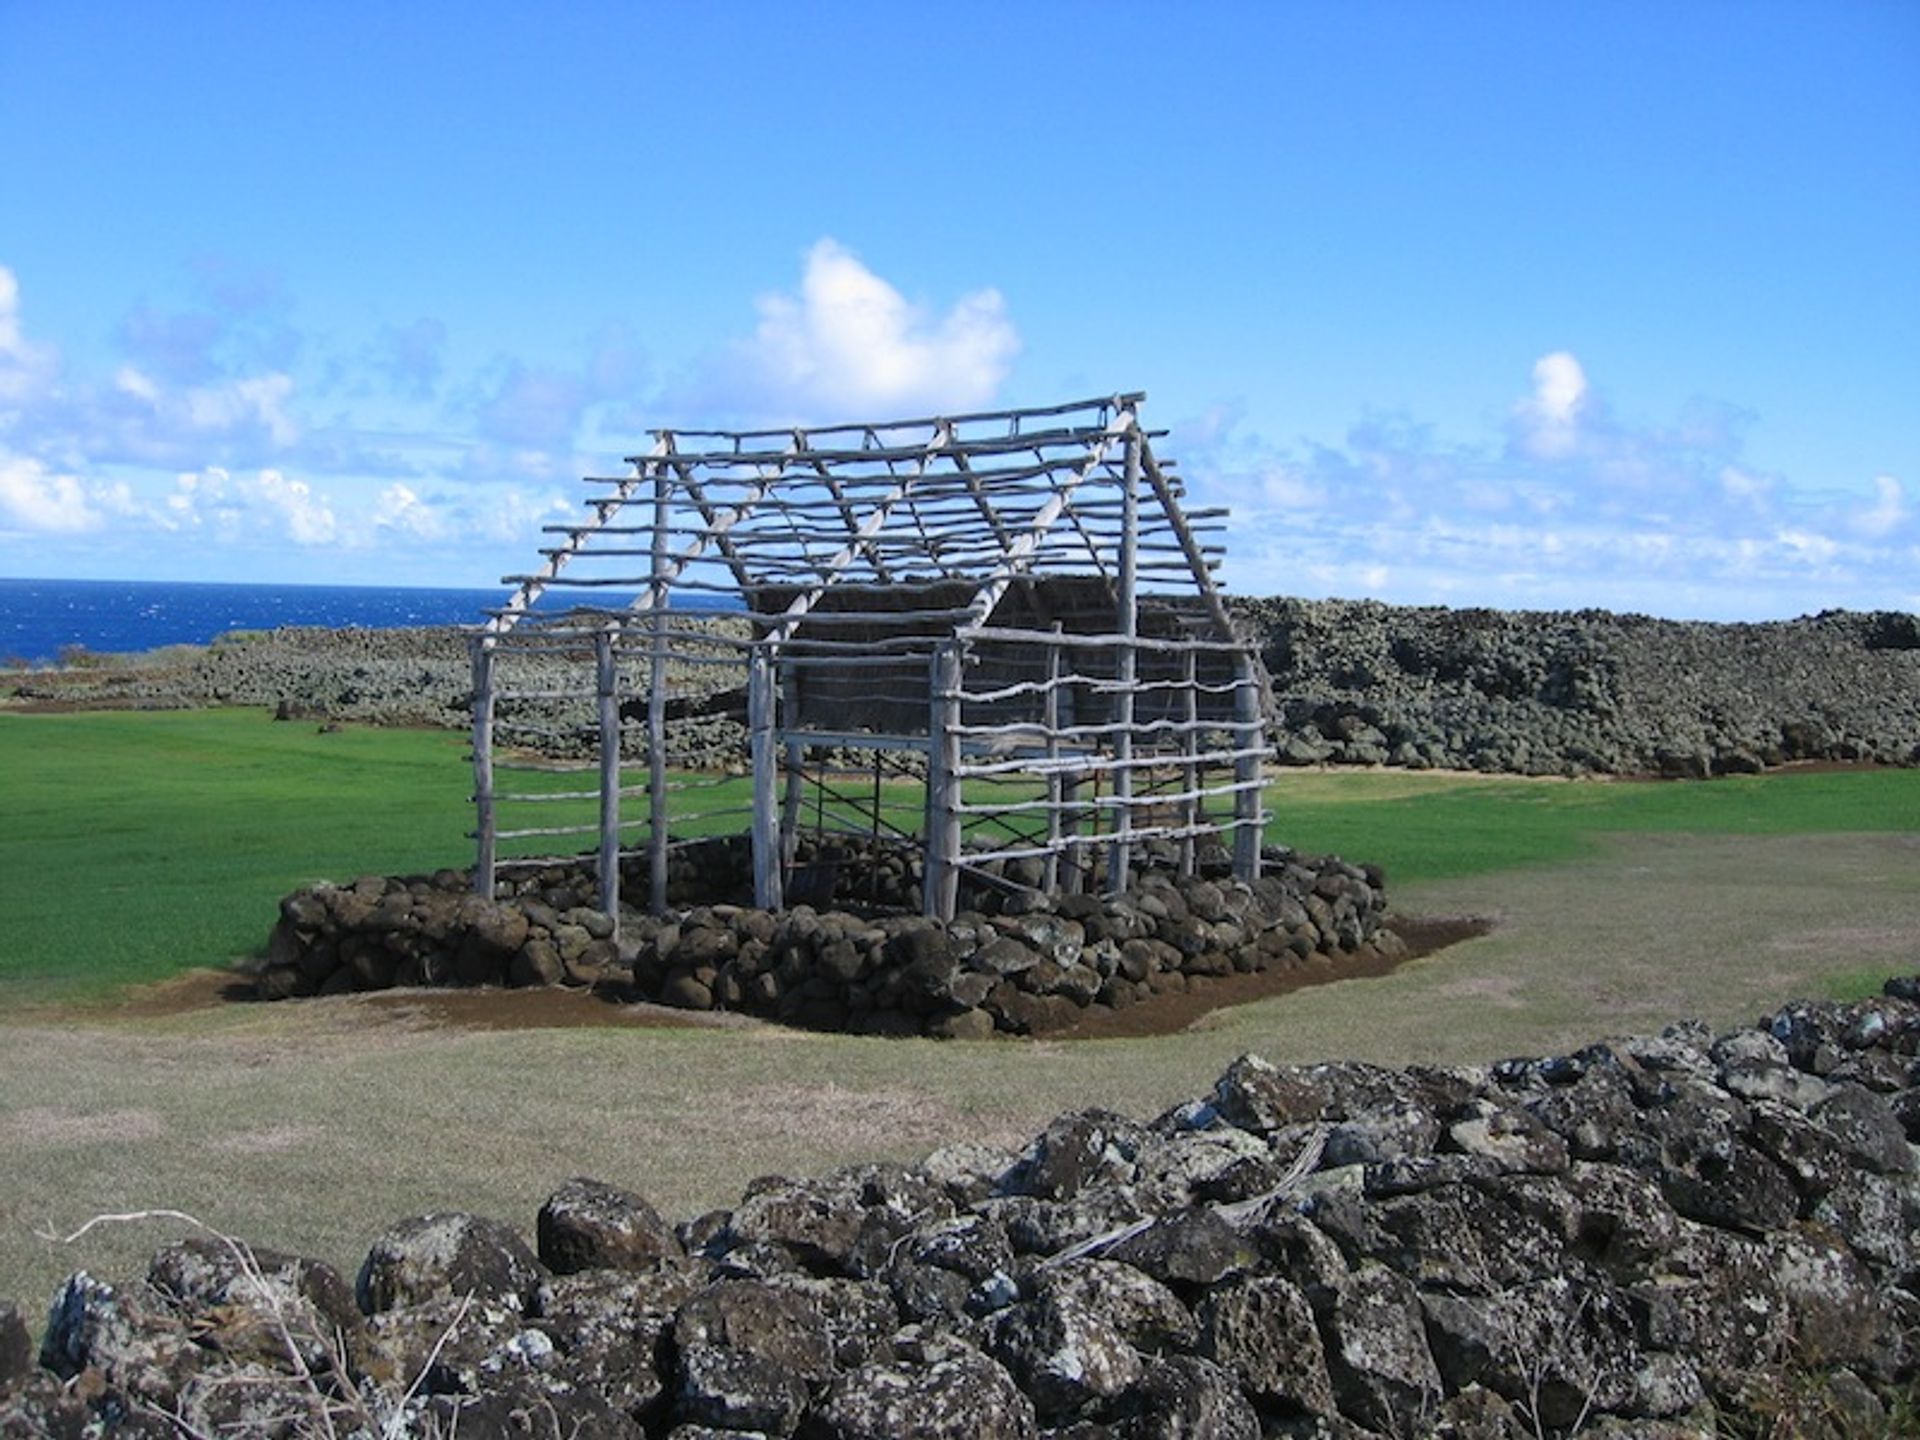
1168	1014
558	1008
40	1127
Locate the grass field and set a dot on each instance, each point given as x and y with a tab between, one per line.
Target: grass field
162	841
139	845
151	843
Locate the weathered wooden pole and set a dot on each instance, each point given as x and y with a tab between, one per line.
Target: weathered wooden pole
1248	812
940	882
1190	770
1120	857
1056	786
767	846
657	596
481	650
607	687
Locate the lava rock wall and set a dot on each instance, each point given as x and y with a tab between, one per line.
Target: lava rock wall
1681	1235
1035	964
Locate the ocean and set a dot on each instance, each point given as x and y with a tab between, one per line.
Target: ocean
39	618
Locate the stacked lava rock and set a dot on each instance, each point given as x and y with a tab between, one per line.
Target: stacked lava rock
1036	965
1683	1235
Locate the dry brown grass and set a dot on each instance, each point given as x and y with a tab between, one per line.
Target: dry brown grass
311	1127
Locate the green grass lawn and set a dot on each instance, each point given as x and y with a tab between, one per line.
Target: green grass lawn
1437	827
140	845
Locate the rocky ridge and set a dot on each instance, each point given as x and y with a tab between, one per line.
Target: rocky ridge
1674	1235
1354	682
1585	692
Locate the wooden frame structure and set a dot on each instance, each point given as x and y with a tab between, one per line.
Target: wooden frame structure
1012	604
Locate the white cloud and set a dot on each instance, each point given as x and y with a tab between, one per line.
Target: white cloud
266	505
1887	512
32	498
1570	507
308	517
25	368
850	342
1291	488
257	402
404	513
1550	418
9	311
1740	483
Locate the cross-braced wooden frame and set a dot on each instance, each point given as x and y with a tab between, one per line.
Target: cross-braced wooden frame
1012	601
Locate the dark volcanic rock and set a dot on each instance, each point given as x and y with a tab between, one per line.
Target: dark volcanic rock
589	1225
448	1255
1646	1236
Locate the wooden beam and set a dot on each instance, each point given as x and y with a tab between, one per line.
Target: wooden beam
532	586
1019	556
874	520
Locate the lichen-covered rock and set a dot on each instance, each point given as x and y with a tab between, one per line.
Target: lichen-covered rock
1188	1250
1148	1315
134	1346
258	1306
1065	1354
738	1390
1076	1151
608	1328
1262	1330
945	1391
1376	1348
448	1254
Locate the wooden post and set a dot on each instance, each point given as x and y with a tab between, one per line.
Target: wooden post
657	766
657	596
1120	857
940	880
767	853
1247	805
1056	786
1190	771
481	647
608	687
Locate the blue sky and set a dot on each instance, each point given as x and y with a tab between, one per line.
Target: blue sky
1518	305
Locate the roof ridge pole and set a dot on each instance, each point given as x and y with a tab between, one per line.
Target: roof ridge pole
1120	858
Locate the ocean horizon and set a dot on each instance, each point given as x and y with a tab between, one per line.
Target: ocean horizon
41	618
